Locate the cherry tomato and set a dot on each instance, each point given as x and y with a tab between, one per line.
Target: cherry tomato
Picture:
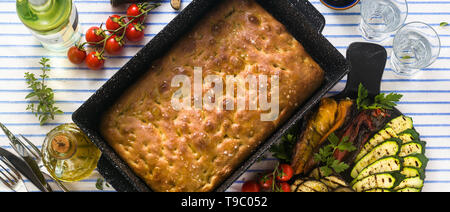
76	55
95	61
285	172
135	32
95	34
251	186
114	23
134	10
114	45
284	187
266	181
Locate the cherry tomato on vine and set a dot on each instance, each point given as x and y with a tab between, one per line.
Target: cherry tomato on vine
114	45
266	181
135	32
285	172
95	61
95	34
251	186
284	187
114	22
135	10
76	54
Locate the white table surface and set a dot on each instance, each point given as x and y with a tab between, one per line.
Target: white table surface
426	95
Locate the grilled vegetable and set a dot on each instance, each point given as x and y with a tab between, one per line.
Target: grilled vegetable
312	186
378	181
400	124
408	136
378	190
411	148
310	139
409	190
414	182
388	148
410	172
343	189
386	164
376	140
295	185
334	182
418	161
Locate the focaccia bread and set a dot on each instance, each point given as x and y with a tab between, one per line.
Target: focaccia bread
195	150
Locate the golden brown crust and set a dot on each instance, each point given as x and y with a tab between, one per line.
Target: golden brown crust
191	150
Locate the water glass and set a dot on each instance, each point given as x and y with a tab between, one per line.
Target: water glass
379	18
416	46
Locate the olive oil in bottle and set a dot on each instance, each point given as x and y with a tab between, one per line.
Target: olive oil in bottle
53	22
68	154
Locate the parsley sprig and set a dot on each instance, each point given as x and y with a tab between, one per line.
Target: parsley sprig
325	155
381	101
283	151
45	109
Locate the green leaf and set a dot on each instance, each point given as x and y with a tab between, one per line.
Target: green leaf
443	24
339	167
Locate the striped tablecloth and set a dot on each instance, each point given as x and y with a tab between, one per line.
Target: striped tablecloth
426	96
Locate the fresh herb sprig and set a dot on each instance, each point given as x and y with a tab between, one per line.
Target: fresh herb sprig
45	109
283	150
443	24
326	158
381	101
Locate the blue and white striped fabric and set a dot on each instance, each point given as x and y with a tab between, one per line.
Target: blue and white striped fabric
427	95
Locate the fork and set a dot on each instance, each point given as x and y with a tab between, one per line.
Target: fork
10	177
37	156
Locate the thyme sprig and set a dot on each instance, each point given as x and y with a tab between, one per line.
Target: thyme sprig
45	109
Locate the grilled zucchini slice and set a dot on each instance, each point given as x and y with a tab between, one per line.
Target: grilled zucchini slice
377	139
388	148
411	148
409	135
312	186
295	185
414	182
417	161
410	172
378	181
409	190
386	164
400	124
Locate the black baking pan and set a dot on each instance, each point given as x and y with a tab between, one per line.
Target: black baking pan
300	18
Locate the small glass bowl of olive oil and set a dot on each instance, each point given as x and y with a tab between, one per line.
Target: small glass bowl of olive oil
68	154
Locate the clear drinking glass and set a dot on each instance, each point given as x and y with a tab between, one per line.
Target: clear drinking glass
379	18
416	46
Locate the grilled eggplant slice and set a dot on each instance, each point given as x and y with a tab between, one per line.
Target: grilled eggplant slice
334	182
409	190
411	148
414	182
390	147
295	185
418	161
386	164
378	190
343	189
378	181
312	186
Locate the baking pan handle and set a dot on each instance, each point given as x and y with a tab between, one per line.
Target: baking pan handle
367	62
313	15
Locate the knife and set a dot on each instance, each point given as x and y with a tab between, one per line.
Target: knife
23	168
27	158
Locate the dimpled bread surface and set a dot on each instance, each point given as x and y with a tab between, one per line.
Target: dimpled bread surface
195	150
